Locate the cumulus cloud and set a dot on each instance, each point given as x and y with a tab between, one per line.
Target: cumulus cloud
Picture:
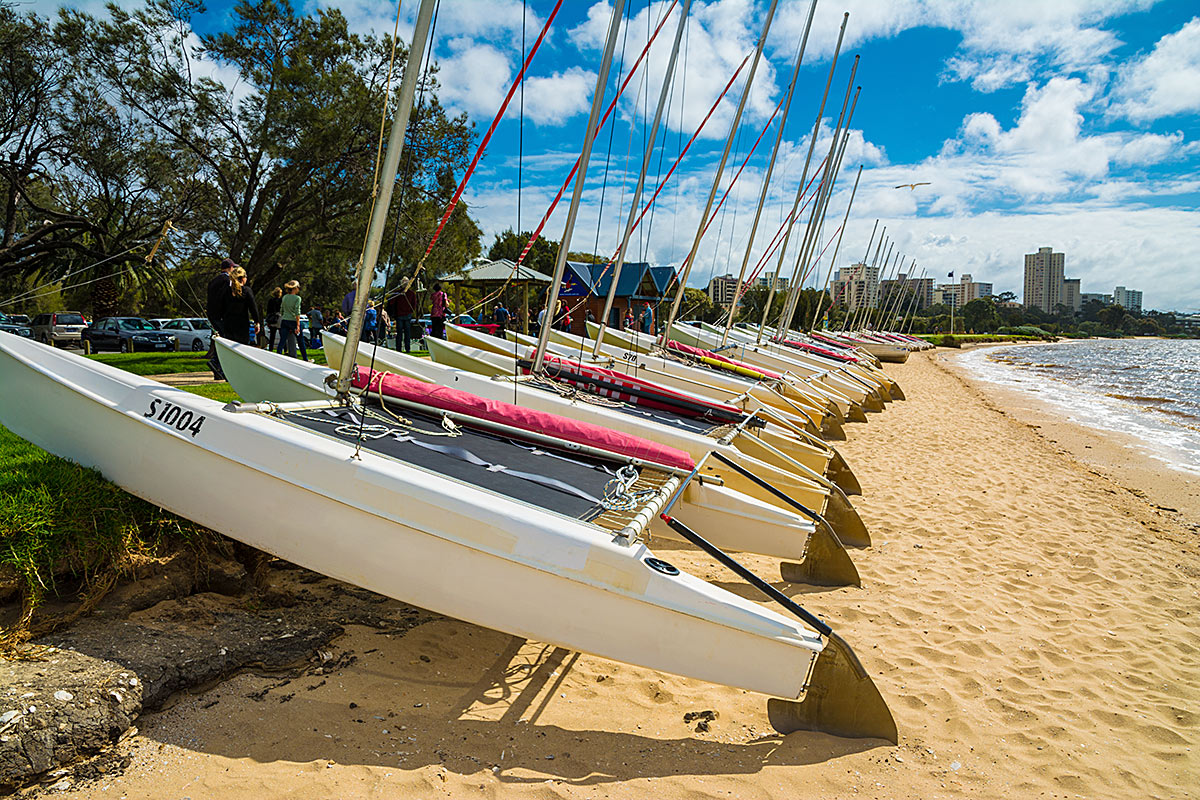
1166	81
1002	43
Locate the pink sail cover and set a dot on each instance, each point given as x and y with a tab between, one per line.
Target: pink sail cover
835	343
821	351
671	400
569	430
701	353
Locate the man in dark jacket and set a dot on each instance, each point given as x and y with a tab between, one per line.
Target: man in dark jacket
402	308
219	293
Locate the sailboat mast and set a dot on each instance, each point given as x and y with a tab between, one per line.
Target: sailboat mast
668	79
712	193
812	142
916	301
836	248
846	297
560	263
866	271
824	192
762	197
387	182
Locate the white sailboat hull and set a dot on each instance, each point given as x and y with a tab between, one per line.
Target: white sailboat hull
396	529
728	518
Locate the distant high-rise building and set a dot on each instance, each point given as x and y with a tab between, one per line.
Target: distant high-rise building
1071	298
780	286
856	286
720	290
905	292
1131	299
1100	297
1044	279
957	295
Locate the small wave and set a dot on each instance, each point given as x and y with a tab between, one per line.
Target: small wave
1175	413
1138	398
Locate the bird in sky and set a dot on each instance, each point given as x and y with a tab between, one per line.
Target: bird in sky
913	186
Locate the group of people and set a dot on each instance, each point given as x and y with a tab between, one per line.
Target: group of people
234	314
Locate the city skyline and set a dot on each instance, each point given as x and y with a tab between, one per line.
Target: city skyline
1070	122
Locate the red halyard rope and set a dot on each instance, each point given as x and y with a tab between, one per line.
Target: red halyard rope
487	138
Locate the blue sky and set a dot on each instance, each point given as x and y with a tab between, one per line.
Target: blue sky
1073	124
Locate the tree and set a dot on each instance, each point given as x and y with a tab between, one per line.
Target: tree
509	245
290	161
980	315
95	174
1111	316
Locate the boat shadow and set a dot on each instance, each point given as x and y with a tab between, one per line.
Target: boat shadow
484	710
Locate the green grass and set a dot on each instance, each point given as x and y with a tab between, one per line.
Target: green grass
60	521
155	363
214	391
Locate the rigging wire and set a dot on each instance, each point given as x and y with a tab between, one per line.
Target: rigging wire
462	184
596	132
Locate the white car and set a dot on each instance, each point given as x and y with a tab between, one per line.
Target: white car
193	333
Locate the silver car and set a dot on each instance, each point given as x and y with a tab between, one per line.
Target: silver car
59	329
193	333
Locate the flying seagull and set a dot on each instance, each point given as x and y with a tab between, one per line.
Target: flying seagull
913	186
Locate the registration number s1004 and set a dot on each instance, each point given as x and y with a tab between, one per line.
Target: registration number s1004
173	416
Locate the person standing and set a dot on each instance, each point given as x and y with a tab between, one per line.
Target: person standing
647	318
273	318
218	298
500	316
437	312
239	309
385	325
316	323
289	321
370	323
403	308
562	317
348	301
627	320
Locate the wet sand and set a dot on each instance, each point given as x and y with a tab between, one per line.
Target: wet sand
1029	617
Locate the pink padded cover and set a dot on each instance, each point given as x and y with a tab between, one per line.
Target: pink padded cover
585	433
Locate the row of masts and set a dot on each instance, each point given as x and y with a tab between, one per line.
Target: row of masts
808	253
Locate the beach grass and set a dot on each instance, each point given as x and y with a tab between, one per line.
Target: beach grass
64	529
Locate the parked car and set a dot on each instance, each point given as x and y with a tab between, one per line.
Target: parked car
18	319
59	329
193	333
10	325
158	322
127	334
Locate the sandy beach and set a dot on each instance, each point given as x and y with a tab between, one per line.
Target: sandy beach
1030	616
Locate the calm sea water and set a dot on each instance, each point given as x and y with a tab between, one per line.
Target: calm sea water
1149	388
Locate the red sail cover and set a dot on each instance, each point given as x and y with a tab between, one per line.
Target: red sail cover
822	351
700	353
835	343
546	424
671	400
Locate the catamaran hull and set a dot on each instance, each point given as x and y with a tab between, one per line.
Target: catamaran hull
730	519
398	530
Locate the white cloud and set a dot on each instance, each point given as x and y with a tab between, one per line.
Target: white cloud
1002	42
556	98
1165	82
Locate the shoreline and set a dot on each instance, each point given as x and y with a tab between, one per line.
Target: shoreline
1120	457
